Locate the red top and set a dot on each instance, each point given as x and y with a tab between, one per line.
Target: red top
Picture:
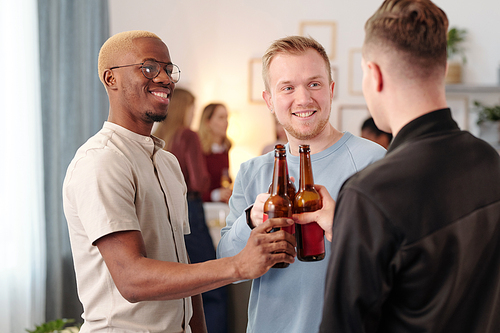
187	148
216	163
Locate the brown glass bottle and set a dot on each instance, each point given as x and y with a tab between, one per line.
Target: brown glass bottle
279	204
291	187
310	237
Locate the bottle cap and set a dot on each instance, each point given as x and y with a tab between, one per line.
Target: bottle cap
304	148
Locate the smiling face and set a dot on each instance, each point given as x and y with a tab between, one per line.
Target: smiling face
300	93
137	101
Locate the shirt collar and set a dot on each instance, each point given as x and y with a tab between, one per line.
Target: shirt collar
428	124
148	142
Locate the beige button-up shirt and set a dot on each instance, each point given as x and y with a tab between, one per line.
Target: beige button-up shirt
117	181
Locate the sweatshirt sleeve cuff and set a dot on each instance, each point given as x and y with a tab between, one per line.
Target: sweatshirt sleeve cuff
249	219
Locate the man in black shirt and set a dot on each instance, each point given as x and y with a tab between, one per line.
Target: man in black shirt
416	236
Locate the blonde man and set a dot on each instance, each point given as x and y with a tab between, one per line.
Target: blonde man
125	203
299	92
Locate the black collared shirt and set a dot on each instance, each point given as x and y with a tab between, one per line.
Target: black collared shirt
416	238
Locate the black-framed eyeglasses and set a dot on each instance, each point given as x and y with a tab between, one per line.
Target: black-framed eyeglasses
151	69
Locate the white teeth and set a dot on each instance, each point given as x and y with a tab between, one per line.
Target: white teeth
304	114
160	94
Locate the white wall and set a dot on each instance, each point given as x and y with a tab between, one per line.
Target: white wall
213	41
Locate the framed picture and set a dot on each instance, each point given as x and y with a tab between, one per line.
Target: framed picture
351	118
459	105
355	72
255	82
325	32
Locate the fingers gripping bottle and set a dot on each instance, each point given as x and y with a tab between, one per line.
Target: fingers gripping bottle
279	203
310	237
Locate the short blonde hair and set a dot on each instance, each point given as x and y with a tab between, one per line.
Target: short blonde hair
116	45
295	45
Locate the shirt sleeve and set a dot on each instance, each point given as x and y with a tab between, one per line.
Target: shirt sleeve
235	234
101	191
362	265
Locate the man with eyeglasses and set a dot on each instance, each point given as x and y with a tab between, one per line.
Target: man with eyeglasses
125	204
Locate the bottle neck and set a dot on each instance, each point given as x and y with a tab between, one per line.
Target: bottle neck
306	175
279	186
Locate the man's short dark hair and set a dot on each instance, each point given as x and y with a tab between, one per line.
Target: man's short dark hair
414	29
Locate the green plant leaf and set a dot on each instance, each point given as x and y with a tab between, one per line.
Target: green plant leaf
455	38
487	113
52	326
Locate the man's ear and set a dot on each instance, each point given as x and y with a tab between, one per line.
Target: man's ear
109	79
377	75
266	95
332	91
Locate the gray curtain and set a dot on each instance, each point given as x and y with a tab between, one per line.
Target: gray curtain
74	107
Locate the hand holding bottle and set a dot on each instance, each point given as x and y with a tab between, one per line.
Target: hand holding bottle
323	216
257	212
265	249
225	194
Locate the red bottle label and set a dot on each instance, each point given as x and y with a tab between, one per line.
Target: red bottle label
313	239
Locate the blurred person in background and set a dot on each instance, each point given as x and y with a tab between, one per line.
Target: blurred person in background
184	143
371	132
216	145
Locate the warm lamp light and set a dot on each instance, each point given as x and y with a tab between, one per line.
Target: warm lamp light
237	155
235	130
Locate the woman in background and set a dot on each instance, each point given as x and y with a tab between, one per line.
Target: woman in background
181	141
216	145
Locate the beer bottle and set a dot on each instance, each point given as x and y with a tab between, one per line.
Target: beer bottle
225	180
310	237
279	204
291	187
291	192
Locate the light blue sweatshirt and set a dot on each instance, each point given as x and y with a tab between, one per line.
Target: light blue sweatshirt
290	299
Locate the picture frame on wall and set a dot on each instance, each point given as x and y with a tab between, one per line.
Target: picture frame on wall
324	32
355	81
350	118
255	82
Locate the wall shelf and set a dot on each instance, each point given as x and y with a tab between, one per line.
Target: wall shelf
460	99
469	88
